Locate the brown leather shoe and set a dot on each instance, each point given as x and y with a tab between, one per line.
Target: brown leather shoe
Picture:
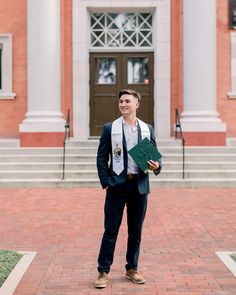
102	280
134	276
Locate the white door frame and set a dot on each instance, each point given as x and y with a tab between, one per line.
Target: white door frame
161	34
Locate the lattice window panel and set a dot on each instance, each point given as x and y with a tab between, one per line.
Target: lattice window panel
121	30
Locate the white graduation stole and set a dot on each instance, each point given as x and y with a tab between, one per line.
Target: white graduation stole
117	142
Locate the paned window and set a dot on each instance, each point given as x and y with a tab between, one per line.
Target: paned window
138	70
105	71
121	30
232	93
6	67
232	14
0	67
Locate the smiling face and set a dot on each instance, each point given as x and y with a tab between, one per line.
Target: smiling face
128	105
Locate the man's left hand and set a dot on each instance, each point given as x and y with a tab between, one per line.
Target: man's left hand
153	165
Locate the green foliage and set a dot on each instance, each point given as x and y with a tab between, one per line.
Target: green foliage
233	256
8	260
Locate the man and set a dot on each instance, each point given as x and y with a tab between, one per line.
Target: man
125	184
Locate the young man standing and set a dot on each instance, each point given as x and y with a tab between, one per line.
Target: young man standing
125	184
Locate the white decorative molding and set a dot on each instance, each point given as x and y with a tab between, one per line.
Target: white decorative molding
231	95
10	95
43	122
121	30
11	283
224	256
202	121
6	70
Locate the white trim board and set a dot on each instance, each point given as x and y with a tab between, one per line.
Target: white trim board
227	260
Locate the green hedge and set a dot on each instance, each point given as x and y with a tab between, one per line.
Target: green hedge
233	256
8	260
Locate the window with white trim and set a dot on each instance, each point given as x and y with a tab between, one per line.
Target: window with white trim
121	30
0	67
232	93
6	67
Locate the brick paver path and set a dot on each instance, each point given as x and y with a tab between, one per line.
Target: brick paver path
182	231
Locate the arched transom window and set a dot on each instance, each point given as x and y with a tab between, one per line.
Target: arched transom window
121	30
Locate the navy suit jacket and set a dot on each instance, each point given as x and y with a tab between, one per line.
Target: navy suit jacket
107	176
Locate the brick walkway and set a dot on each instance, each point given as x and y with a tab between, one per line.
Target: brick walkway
182	231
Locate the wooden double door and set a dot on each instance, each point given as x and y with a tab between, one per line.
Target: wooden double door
111	72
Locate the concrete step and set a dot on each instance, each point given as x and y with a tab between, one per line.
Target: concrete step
95	142
200	150
231	141
35	151
9	142
205	166
200	165
202	157
74	151
93	150
72	166
86	174
166	183
92	157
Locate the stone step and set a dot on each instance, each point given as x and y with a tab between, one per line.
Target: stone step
175	174
9	142
202	157
39	158
22	167
37	151
231	141
95	142
92	158
93	150
15	142
29	166
200	165
198	150
68	183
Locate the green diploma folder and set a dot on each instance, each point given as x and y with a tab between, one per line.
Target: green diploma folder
143	152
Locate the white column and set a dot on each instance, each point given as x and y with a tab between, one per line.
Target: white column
200	86
162	73
44	75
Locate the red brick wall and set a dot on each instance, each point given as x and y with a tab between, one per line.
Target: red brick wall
226	107
13	16
13	20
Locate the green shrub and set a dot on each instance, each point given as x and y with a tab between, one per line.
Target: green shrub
8	260
233	256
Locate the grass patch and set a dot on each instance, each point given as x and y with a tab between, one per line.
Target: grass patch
8	260
233	256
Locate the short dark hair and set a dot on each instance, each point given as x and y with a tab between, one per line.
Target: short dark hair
130	92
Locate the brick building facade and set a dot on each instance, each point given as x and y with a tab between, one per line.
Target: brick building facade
184	51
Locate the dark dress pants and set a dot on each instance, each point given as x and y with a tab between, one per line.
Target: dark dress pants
114	206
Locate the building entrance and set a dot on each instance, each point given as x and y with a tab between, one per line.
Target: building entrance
111	72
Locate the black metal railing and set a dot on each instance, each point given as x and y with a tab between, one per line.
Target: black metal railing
178	126
66	135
